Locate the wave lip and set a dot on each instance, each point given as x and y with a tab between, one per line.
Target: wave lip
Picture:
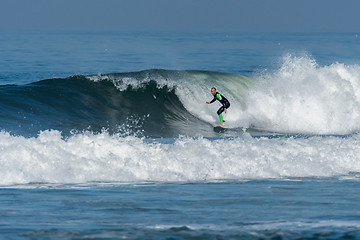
88	157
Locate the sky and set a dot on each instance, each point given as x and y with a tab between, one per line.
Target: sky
182	15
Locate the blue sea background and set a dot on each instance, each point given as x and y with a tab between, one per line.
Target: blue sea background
62	179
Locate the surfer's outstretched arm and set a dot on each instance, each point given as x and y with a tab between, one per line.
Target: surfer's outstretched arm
214	99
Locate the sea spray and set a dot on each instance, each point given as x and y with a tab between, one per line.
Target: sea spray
304	97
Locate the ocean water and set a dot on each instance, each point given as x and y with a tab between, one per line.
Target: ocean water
106	135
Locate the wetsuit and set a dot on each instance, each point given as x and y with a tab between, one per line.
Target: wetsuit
225	104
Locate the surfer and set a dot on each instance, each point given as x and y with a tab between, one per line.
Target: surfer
225	104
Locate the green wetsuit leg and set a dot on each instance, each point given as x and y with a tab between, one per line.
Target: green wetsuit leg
221	118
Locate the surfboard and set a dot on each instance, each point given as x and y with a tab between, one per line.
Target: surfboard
220	129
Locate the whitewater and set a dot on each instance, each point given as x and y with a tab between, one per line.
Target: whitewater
88	157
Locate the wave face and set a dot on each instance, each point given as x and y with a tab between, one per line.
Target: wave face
300	97
88	157
156	103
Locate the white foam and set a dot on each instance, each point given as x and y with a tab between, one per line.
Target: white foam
303	97
299	225
122	82
90	157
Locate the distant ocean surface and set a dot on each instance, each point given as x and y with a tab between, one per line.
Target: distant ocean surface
106	135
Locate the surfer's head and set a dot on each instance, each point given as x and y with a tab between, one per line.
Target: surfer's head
213	91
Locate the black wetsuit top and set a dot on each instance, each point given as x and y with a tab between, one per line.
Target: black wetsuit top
221	99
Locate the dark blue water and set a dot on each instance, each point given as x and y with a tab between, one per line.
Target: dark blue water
233	210
106	135
32	56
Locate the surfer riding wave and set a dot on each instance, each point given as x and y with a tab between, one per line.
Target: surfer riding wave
225	104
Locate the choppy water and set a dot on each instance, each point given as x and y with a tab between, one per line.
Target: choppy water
107	135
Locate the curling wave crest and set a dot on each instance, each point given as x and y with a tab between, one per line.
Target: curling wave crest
299	96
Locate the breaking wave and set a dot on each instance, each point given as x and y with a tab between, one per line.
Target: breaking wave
300	97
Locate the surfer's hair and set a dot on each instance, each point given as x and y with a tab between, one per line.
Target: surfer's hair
213	88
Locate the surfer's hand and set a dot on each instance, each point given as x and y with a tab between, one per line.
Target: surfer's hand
225	110
207	102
